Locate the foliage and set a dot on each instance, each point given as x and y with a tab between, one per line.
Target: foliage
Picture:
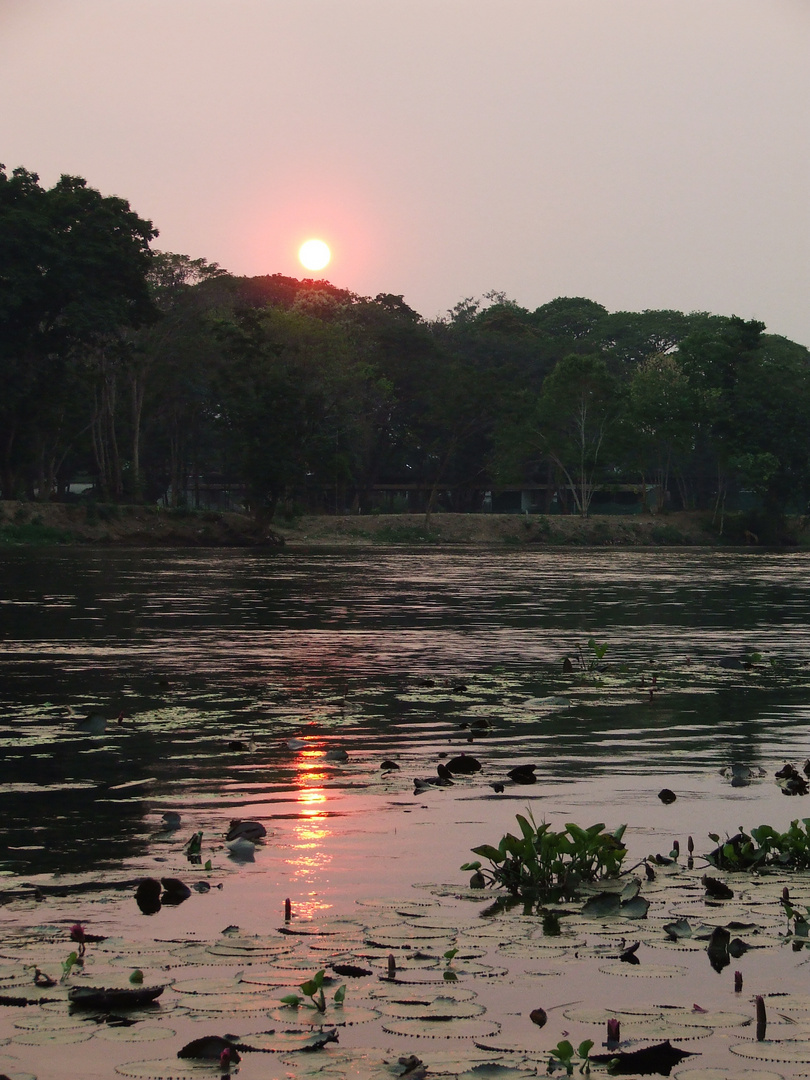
71	961
597	655
542	864
577	406
34	534
313	989
156	375
566	1056
74	274
764	847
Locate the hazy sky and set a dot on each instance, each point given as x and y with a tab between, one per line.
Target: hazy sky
642	153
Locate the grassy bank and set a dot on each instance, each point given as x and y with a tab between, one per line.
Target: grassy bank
510	530
141	526
99	523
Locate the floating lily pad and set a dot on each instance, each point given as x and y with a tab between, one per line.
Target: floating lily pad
210	1005
712	1018
454	1062
396	903
134	1033
476	1028
659	1029
247	950
404	936
443	924
286	976
789	1003
659	941
169	1068
335	1015
534	950
392	992
438	1007
408	962
643	971
495	1071
288	1042
54	1036
35	1021
497	930
601	1016
797	1051
726	1074
216	986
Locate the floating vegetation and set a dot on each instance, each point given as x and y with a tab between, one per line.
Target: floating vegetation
544	865
764	847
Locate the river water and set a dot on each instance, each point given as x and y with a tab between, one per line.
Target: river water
238	674
204	649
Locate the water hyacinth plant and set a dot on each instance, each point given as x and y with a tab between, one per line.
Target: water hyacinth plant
313	989
764	846
546	865
565	1056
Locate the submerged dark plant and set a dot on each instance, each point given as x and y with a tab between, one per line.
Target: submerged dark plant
542	864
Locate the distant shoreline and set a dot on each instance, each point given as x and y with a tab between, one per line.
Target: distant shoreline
32	523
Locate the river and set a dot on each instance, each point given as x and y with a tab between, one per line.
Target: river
237	675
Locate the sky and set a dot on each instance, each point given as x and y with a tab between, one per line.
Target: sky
641	153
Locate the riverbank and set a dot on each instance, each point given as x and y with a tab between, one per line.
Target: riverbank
134	526
503	529
154	526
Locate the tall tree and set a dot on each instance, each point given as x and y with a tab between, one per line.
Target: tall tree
73	274
578	406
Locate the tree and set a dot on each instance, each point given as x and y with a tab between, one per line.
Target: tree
658	422
172	360
73	274
283	396
713	360
573	320
577	407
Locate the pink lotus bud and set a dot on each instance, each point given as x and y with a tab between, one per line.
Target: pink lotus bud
613	1033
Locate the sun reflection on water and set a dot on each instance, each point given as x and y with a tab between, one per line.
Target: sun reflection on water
309	855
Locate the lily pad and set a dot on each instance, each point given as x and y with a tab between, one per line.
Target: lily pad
386	991
56	1036
169	1068
134	1033
288	1042
601	1016
437	1028
797	1051
726	1074
643	971
335	1015
437	1008
216	986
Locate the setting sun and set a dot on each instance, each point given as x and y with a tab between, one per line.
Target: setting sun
314	254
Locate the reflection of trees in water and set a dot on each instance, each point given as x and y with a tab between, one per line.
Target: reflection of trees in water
217	658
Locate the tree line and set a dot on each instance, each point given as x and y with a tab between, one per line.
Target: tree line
151	373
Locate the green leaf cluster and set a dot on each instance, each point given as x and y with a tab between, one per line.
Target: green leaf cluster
566	1056
313	989
543	864
764	847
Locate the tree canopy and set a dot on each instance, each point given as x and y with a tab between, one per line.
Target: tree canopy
154	375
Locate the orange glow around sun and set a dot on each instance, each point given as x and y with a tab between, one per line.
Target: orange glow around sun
314	254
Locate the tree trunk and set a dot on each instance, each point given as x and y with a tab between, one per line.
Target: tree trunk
137	413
